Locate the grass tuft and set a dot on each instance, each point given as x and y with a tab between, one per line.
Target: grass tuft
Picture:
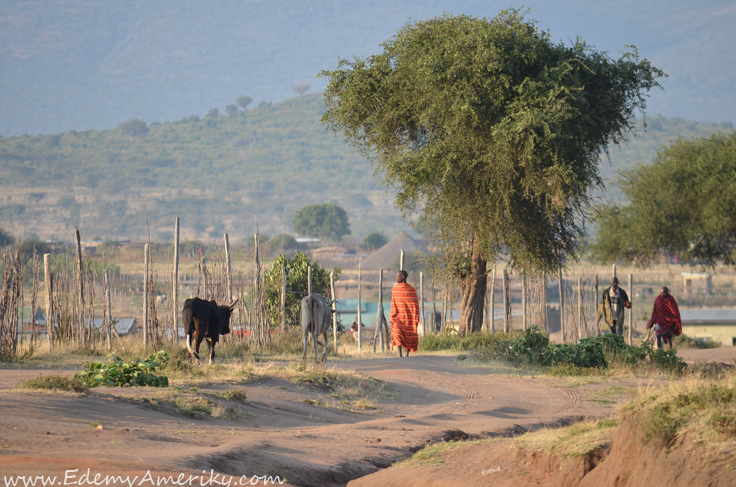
571	441
53	382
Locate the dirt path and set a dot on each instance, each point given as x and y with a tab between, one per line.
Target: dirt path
281	428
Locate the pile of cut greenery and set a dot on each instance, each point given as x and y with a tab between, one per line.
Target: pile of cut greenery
117	372
533	347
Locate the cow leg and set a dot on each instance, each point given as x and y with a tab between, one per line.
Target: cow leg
315	339
197	343
324	355
304	355
211	346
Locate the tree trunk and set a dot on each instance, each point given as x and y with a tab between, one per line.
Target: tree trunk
473	291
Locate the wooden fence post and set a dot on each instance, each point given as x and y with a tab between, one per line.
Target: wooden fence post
505	302
360	331
80	272
562	304
378	332
595	290
334	309
614	270
47	283
228	271
108	302
434	305
580	308
421	300
631	310
492	299
401	260
283	298
145	296
545	299
257	294
175	284
523	298
309	280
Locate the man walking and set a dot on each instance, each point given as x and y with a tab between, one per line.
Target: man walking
613	302
665	318
404	315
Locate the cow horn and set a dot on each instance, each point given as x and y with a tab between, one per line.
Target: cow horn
232	305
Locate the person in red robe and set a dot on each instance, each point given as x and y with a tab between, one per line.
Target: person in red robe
404	315
665	318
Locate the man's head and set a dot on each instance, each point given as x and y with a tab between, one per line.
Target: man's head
401	276
614	282
665	291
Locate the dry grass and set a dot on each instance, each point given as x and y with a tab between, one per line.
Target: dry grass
571	441
53	382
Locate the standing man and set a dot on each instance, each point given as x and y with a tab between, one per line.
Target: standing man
404	315
613	302
665	318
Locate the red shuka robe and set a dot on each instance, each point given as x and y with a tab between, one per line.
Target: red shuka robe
404	316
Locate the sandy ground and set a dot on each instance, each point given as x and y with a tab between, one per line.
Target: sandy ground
281	429
276	432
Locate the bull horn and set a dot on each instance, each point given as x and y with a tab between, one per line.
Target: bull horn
232	305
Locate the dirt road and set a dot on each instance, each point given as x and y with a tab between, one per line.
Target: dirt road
281	428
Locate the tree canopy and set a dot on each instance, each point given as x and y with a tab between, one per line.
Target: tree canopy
489	130
683	204
134	128
375	240
326	221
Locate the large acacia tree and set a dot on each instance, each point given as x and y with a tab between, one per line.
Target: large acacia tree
491	133
683	204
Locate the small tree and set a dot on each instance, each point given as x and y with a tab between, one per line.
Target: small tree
231	110
326	221
6	238
296	285
375	240
134	128
212	114
683	204
244	101
301	88
491	132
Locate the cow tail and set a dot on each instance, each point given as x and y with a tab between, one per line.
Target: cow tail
190	331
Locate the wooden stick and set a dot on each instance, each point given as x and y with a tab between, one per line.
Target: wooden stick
545	302
309	280
334	309
47	283
360	332
228	274
631	310
378	332
434	305
523	298
80	274
492	299
505	302
145	295
175	284
580	307
595	290
283	298
562	304
421	300
108	301
401	260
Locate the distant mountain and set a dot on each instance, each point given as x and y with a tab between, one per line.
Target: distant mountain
79	64
219	173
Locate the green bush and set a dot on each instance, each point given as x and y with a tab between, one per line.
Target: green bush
117	372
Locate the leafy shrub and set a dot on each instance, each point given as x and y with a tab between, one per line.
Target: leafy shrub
53	382
117	372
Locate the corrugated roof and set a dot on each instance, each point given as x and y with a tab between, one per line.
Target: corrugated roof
705	315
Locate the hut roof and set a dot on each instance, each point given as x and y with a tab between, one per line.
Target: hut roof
386	255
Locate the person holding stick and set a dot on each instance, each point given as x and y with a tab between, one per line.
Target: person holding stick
404	315
665	318
612	307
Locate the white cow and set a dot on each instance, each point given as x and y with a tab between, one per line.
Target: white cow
316	320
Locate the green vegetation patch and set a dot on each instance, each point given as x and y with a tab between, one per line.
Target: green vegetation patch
435	454
571	441
117	372
455	342
54	382
704	410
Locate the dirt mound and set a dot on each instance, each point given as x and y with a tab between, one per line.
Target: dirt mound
630	462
